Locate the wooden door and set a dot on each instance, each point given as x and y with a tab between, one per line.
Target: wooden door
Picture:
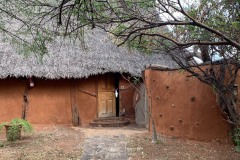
106	96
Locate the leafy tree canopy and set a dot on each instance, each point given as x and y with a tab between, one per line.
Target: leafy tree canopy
201	22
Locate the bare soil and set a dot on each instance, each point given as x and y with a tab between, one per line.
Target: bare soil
47	142
140	147
54	142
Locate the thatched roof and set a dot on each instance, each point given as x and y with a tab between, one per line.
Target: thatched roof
69	60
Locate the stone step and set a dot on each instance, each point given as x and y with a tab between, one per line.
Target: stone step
113	123
108	119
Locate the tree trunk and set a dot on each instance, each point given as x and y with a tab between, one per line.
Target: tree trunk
154	138
204	53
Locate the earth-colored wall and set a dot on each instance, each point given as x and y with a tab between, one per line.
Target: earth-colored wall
49	102
141	116
184	107
87	100
11	98
126	92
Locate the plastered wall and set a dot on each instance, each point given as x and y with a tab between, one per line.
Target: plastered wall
127	91
11	91
87	100
49	101
184	107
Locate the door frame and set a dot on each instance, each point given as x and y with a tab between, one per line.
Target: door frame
116	84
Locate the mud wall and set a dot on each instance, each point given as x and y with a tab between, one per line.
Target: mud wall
126	94
49	102
11	98
87	100
184	107
140	104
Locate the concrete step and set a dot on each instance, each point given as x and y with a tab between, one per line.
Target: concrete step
109	122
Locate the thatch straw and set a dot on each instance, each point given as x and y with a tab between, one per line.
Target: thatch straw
69	60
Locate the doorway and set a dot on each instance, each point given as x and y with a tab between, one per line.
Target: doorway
108	99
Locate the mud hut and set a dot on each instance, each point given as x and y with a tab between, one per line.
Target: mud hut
71	84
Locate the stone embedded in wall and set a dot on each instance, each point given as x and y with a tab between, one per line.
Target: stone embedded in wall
171	128
157	97
160	115
173	105
180	121
193	98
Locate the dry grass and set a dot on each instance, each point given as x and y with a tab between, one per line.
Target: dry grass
140	147
52	142
66	142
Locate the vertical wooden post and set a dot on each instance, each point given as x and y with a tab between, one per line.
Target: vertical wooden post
25	101
96	91
74	105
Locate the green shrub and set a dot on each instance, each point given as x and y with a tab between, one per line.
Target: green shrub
236	138
14	128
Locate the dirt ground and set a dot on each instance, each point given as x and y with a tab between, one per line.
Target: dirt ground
141	148
53	142
47	142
